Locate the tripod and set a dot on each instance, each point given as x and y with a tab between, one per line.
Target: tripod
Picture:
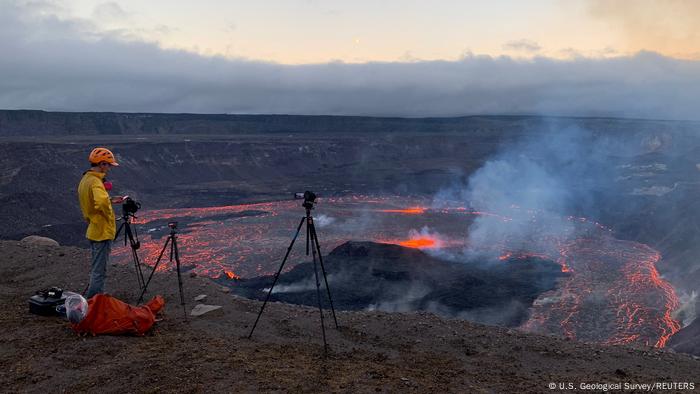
174	255
133	239
312	242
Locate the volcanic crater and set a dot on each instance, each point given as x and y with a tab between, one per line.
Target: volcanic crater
376	276
377	184
582	284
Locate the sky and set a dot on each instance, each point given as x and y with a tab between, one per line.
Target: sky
308	31
389	58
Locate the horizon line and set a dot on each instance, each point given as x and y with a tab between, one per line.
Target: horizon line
485	115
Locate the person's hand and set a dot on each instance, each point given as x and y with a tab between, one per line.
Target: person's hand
117	200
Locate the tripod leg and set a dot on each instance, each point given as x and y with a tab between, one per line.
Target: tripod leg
137	267
135	244
277	275
160	256
173	248
134	255
318	294
323	270
308	238
119	230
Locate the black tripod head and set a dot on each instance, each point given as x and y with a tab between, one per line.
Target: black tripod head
309	199
173	227
127	217
130	207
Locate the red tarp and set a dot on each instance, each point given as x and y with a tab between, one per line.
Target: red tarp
108	315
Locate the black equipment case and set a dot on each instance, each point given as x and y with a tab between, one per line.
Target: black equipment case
44	303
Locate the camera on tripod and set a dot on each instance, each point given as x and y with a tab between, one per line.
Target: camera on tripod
315	249
130	206
309	199
172	225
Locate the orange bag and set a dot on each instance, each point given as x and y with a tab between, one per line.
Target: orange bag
108	315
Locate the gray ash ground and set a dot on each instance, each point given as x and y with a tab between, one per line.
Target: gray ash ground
371	352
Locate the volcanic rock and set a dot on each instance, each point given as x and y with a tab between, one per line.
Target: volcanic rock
200	298
201	309
39	241
367	275
687	340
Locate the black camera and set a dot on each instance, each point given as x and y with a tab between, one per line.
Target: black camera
129	206
309	199
53	292
172	225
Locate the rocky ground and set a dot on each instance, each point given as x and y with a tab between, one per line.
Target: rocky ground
371	352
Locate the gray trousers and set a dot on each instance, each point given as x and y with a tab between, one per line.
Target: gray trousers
98	272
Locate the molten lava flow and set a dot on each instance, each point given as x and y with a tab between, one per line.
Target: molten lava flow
505	256
419	243
407	211
232	275
612	292
649	289
613	295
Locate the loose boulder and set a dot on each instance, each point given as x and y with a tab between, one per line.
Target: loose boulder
39	241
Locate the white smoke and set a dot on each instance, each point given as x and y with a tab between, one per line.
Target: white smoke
323	220
307	284
530	188
407	301
687	312
427	233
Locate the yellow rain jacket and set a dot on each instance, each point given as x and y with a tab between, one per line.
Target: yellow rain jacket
97	207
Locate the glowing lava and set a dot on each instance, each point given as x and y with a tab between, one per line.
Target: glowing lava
407	211
419	243
231	275
613	295
612	292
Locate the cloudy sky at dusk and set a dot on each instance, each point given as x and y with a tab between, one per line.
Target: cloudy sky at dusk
397	58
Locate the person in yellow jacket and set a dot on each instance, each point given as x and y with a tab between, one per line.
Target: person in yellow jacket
96	206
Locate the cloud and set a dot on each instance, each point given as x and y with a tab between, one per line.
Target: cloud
109	12
54	62
670	26
522	45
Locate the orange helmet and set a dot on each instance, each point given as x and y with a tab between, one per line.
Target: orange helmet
98	155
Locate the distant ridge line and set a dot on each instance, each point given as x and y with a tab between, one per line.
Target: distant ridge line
27	122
